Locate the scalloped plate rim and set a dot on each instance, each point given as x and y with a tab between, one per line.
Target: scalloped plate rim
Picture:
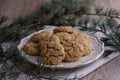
63	67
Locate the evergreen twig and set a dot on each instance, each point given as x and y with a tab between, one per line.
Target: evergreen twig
2	19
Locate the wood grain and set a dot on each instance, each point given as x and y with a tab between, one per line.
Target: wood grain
109	71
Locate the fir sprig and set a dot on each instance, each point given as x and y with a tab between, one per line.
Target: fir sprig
112	13
2	19
12	33
58	12
114	41
20	21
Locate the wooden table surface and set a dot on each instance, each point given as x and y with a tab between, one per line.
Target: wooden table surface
109	71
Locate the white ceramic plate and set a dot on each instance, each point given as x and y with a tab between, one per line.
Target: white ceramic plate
98	49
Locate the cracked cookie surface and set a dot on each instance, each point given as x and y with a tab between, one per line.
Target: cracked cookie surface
31	48
67	29
84	40
73	50
42	43
64	37
52	53
42	36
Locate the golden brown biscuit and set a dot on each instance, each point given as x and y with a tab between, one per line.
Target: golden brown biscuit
84	40
67	29
44	36
64	37
31	48
52	53
73	50
64	45
43	43
54	38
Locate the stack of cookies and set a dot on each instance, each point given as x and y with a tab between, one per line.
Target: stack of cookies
63	45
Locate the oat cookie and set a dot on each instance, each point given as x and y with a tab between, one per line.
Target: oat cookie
67	29
64	37
73	50
31	48
53	53
54	38
63	45
43	43
44	36
84	40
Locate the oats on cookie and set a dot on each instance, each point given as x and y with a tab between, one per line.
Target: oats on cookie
67	29
31	48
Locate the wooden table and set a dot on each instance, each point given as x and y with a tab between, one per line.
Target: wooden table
109	71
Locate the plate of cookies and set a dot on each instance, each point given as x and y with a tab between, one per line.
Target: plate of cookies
61	47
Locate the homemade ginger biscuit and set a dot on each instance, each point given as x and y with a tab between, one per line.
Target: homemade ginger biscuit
31	48
64	37
42	43
67	29
63	45
73	50
84	40
52	53
42	36
54	38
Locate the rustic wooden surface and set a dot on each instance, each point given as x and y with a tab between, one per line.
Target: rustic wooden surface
109	71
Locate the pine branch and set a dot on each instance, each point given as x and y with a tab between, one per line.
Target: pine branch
111	13
115	39
2	19
19	21
12	33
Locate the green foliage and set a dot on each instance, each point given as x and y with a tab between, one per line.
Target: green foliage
45	8
20	21
108	52
112	13
115	39
2	75
58	12
68	5
2	19
12	33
